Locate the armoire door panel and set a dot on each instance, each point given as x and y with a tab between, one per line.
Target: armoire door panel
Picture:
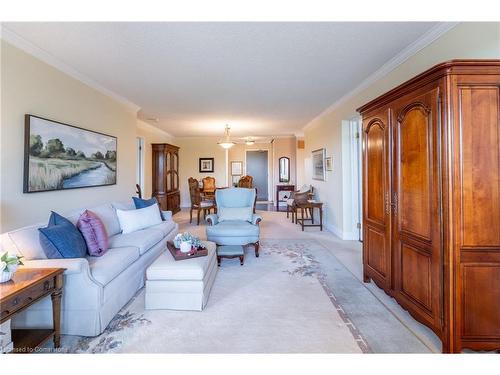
376	194
378	251
480	174
415	184
416	206
416	275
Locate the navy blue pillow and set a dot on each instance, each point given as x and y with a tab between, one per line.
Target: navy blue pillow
61	239
143	203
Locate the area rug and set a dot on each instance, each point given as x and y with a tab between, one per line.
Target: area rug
277	303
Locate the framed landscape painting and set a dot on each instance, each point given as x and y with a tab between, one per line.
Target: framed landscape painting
318	160
59	156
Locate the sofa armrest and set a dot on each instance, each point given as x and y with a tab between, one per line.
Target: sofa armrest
166	215
256	219
72	265
212	219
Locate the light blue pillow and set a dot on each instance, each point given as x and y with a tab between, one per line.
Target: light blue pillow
61	239
235	213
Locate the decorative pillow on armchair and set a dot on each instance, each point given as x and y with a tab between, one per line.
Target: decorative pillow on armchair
61	239
94	233
235	213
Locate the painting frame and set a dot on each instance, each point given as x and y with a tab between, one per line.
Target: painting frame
206	165
329	163
318	164
236	168
110	164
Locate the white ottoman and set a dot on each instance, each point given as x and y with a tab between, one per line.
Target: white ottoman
182	284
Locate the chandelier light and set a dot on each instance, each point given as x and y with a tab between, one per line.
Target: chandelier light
226	142
249	141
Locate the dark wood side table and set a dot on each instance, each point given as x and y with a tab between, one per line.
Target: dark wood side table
30	285
282	188
309	206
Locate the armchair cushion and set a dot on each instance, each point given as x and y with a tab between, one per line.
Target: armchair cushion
233	228
235	213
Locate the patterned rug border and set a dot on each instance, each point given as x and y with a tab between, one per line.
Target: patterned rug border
314	270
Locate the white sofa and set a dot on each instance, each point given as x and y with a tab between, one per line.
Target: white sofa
95	288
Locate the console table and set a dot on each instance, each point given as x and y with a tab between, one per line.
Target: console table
282	188
30	285
309	206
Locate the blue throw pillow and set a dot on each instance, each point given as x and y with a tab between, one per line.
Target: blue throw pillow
61	239
143	203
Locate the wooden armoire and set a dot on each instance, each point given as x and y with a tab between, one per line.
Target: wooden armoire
166	176
431	200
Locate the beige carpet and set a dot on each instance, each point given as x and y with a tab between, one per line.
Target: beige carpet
272	304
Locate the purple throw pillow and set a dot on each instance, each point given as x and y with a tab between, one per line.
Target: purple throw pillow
94	233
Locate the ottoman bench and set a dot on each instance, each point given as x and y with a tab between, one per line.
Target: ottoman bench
183	284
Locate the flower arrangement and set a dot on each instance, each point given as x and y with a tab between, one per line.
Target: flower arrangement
187	237
9	265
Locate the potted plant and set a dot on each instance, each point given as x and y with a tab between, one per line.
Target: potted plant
9	265
186	242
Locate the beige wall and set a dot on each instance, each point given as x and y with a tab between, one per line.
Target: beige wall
31	86
150	134
285	147
467	40
300	155
193	148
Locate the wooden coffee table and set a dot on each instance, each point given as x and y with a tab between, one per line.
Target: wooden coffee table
28	286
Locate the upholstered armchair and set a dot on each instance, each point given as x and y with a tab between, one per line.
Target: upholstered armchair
235	223
305	193
197	202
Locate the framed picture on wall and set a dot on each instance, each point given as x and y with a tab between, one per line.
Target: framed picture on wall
236	168
329	163
59	156
206	165
318	164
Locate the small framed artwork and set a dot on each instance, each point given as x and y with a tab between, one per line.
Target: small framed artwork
318	161
329	163
206	165
236	168
59	156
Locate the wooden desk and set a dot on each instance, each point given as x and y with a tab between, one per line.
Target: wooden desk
282	188
30	285
309	206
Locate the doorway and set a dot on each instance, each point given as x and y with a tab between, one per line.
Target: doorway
355	128
257	167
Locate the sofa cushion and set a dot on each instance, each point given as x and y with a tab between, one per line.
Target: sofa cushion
112	263
27	241
143	239
61	239
134	220
165	227
232	228
94	232
125	205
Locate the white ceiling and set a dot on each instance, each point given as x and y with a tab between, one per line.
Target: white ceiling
261	78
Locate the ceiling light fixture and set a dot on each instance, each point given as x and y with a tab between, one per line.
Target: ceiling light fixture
249	141
226	143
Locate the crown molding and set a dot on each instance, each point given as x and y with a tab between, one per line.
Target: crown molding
141	124
419	44
28	47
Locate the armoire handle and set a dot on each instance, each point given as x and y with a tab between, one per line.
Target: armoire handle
387	203
395	202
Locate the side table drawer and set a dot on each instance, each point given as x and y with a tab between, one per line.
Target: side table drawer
25	298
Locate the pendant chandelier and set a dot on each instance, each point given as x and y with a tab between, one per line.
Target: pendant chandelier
226	143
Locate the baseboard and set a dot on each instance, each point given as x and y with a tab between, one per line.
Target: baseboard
346	236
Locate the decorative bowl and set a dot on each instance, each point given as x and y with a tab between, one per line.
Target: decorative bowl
5	276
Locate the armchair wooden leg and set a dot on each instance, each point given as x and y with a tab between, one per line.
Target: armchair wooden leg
257	244
242	259
219	260
287	211
191	215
